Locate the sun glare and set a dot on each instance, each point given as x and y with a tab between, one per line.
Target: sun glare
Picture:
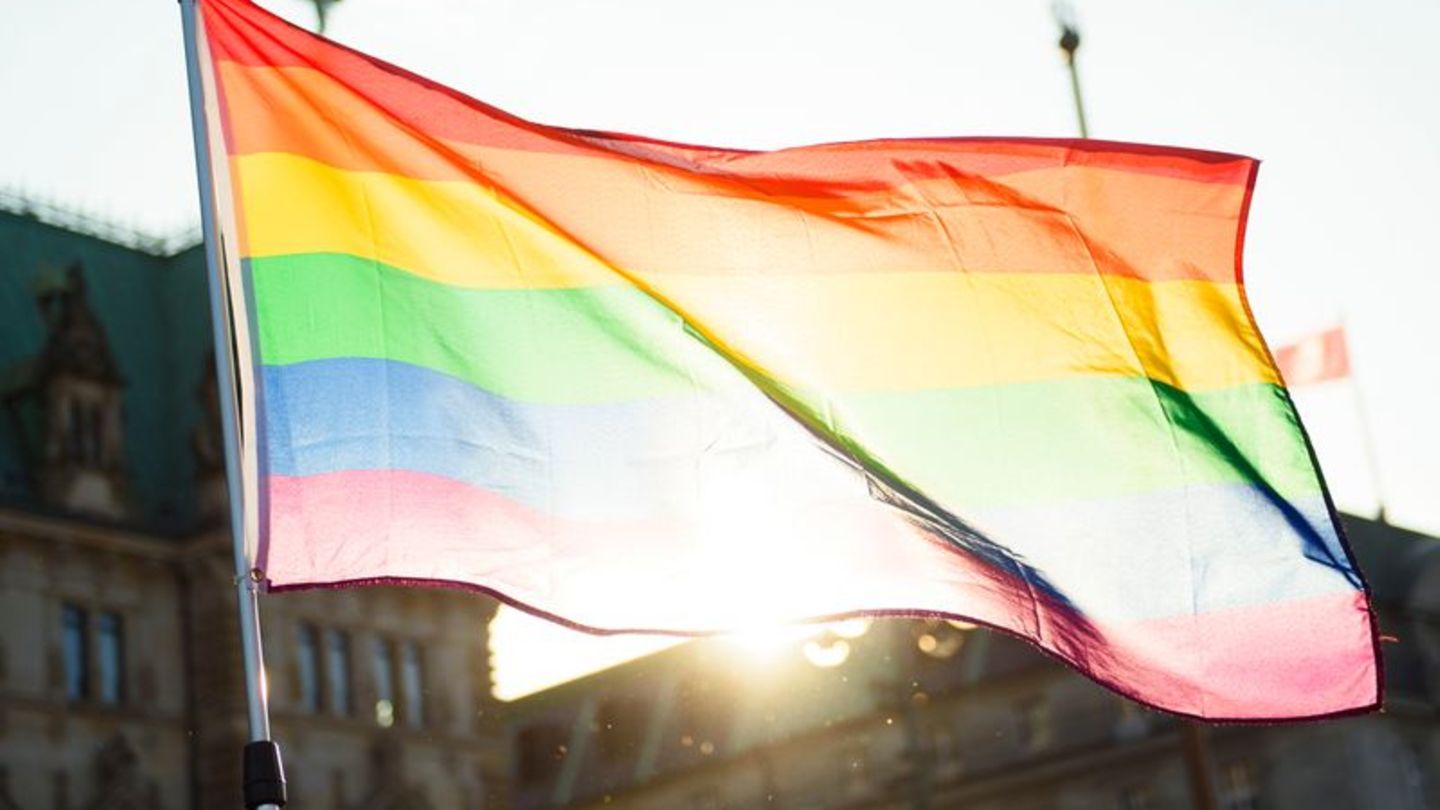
532	654
765	643
764	569
827	656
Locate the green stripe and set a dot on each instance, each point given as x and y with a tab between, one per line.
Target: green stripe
596	344
1080	439
1027	442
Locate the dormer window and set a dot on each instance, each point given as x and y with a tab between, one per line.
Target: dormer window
73	394
85	440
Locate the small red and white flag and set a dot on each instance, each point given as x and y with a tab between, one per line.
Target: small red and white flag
1315	358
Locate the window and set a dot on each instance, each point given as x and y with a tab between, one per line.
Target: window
83	433
705	799
337	672
412	681
60	788
91	442
1135	797
942	743
541	752
382	668
854	769
74	441
1036	729
337	790
75	644
1131	721
307	663
1239	787
112	657
620	730
699	716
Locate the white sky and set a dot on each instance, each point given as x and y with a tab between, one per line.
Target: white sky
1339	99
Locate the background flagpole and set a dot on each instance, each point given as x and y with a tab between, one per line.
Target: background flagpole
1069	44
1367	429
263	778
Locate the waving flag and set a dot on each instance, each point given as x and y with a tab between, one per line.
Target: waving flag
1315	358
638	385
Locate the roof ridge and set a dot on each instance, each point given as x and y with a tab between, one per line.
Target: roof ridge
23	204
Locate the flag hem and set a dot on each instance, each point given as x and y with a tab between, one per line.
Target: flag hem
874	613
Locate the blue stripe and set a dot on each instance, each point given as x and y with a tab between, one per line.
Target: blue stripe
611	461
1203	548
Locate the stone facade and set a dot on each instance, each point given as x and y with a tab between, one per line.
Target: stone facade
171	736
82	749
120	672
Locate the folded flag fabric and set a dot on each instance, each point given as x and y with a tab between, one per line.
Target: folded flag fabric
1315	358
638	385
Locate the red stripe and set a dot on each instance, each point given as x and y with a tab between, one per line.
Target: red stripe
242	32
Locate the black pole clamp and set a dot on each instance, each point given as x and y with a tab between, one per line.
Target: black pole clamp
263	775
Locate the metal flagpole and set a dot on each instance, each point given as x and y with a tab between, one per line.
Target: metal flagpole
1070	43
1367	430
322	10
1367	438
263	777
1199	763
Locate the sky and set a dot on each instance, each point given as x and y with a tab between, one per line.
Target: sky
1338	99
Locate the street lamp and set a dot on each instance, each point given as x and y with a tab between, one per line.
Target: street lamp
321	7
1069	44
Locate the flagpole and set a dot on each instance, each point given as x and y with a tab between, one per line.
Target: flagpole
1367	430
1367	438
1069	44
263	776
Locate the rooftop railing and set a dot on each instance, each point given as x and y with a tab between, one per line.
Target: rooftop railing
24	204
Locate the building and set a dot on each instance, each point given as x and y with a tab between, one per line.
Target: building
120	674
120	677
928	715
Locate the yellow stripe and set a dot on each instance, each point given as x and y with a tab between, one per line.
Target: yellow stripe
901	331
454	232
887	330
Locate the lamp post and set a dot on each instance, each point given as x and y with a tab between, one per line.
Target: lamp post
321	8
1069	44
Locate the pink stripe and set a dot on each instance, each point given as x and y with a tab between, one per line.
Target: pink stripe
1302	658
359	525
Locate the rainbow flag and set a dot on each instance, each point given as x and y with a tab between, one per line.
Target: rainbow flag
644	386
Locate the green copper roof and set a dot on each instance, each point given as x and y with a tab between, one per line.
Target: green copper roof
154	311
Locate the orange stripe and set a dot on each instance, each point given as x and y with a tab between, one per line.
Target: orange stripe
1063	220
262	90
242	33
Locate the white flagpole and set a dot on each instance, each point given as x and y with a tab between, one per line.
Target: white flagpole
1367	429
1367	438
263	778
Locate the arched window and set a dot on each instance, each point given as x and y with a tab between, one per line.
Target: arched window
74	432
92	438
